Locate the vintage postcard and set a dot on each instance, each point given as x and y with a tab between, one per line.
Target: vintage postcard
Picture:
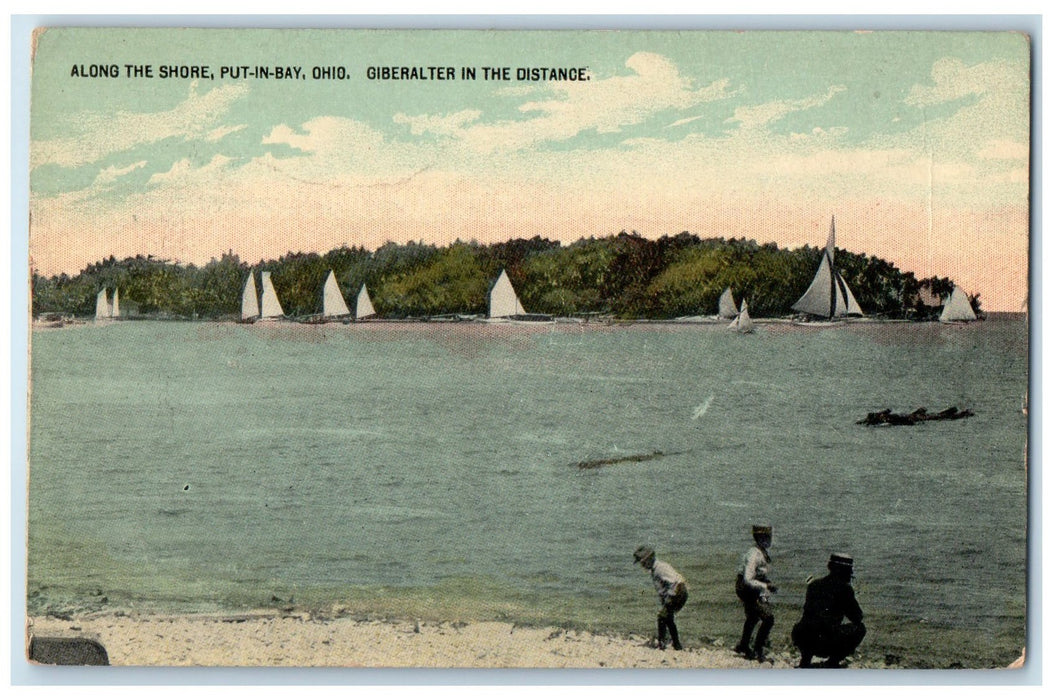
528	349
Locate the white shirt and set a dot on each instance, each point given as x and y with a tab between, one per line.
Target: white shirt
756	569
665	579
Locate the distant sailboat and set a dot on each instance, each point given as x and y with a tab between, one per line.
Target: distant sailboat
333	304
957	308
742	323
270	307
103	308
115	308
503	299
505	305
828	296
364	305
726	306
250	303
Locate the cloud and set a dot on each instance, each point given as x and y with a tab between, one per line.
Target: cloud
1004	150
183	173
111	174
993	125
951	80
337	149
94	135
605	106
447	125
222	132
681	122
753	117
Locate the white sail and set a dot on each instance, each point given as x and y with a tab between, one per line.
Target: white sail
102	305
957	307
503	299
851	305
270	307
828	295
116	303
742	323
333	303
726	306
250	304
364	305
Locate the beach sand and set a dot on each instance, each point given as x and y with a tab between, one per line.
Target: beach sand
302	640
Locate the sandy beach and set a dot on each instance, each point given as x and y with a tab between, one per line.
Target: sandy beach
304	640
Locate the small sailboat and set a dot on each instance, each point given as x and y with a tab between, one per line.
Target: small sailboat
506	307
250	302
828	296
364	305
503	300
957	308
742	323
103	307
333	304
270	307
726	306
115	307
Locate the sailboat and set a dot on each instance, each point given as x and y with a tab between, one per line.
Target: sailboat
333	304
828	296
103	307
726	306
742	323
505	305
250	302
503	300
957	308
364	305
270	307
266	307
115	307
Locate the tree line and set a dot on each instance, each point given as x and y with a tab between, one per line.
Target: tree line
625	276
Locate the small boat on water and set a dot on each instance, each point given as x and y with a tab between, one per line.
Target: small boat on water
333	304
266	307
505	306
742	323
828	297
887	417
364	305
270	307
250	302
107	309
726	307
102	306
957	308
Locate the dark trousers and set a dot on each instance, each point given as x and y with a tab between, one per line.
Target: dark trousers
757	610
666	621
833	642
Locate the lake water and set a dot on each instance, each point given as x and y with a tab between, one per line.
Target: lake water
431	470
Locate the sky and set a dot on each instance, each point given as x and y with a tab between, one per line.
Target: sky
917	142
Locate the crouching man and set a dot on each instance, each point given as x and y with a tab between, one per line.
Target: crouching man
828	602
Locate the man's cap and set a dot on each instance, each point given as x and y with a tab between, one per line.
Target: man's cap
838	559
761	530
642	553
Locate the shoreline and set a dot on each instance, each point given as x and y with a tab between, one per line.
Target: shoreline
305	639
575	322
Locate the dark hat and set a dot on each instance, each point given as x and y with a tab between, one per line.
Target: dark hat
642	553
761	530
837	559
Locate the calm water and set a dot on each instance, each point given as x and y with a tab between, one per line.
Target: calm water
415	469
